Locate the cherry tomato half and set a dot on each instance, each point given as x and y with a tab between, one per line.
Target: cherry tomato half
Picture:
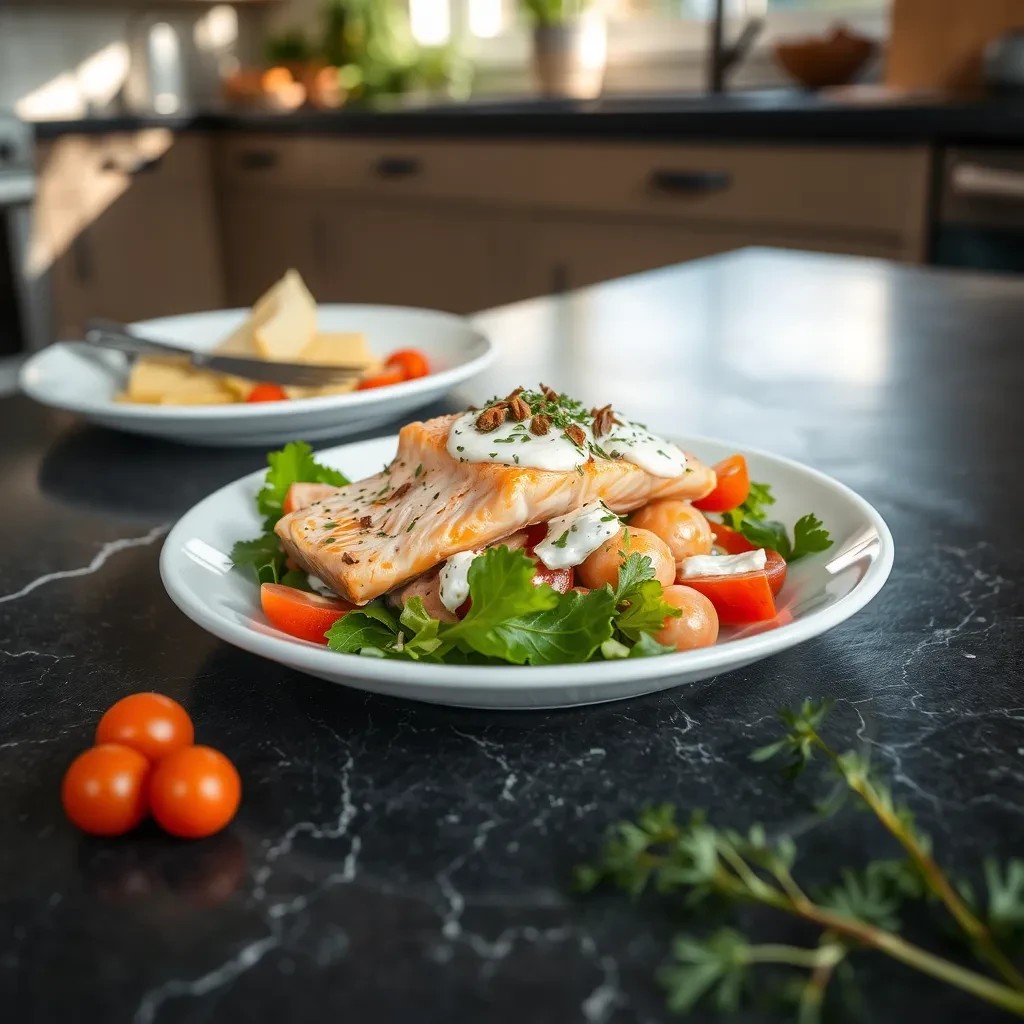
739	599
104	790
302	495
307	616
561	580
732	542
732	487
267	393
150	723
380	380
410	362
194	792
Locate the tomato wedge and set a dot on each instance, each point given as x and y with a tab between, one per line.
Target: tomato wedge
307	616
302	495
746	597
410	362
732	487
561	580
732	542
267	393
381	380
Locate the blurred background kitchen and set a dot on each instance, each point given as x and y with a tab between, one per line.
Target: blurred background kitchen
462	154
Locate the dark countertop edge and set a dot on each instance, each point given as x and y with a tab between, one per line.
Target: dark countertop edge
996	122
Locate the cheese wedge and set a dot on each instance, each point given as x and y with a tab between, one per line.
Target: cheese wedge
284	320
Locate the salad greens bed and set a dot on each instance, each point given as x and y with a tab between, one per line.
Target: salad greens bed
511	620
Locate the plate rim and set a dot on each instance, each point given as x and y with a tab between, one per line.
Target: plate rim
318	660
242	411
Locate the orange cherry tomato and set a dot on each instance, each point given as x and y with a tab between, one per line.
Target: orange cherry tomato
307	616
732	542
194	792
150	723
410	362
381	380
267	393
302	495
739	599
104	790
732	487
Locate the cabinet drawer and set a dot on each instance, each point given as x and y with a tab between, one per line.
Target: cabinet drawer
879	190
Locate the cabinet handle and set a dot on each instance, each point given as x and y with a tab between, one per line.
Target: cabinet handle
257	159
144	165
398	167
690	182
978	181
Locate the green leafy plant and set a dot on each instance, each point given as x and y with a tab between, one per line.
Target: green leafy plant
554	12
697	861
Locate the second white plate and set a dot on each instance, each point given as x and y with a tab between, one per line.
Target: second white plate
73	377
820	592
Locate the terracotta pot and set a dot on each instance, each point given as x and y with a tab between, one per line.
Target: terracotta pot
569	58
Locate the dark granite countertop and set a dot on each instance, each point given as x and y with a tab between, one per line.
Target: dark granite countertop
777	115
410	864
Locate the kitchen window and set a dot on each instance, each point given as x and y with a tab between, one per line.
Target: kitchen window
436	22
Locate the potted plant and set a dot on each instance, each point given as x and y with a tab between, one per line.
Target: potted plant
570	47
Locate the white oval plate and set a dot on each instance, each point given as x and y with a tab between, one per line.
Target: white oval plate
820	592
70	376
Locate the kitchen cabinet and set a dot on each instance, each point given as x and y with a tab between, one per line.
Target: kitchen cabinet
463	225
126	227
264	232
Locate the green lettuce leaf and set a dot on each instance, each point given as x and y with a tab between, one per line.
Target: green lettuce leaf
294	463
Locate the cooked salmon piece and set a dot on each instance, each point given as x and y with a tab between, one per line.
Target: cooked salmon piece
373	535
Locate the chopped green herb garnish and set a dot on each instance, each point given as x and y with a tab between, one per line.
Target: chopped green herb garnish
562	541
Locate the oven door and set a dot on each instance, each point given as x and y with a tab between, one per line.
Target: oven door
980	223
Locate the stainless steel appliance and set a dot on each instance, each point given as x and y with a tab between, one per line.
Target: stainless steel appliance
979	220
23	305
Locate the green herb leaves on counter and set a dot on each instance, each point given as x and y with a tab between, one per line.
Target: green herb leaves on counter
294	463
809	535
513	620
697	863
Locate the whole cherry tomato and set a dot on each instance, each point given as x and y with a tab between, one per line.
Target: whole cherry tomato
150	723
410	362
194	792
267	393
104	790
381	380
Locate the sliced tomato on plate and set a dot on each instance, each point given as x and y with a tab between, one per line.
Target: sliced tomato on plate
740	599
732	542
302	495
561	580
297	613
732	487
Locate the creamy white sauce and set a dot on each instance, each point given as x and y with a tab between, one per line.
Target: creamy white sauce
512	444
572	537
722	565
455	579
318	586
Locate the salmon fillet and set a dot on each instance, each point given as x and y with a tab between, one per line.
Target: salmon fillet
373	535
